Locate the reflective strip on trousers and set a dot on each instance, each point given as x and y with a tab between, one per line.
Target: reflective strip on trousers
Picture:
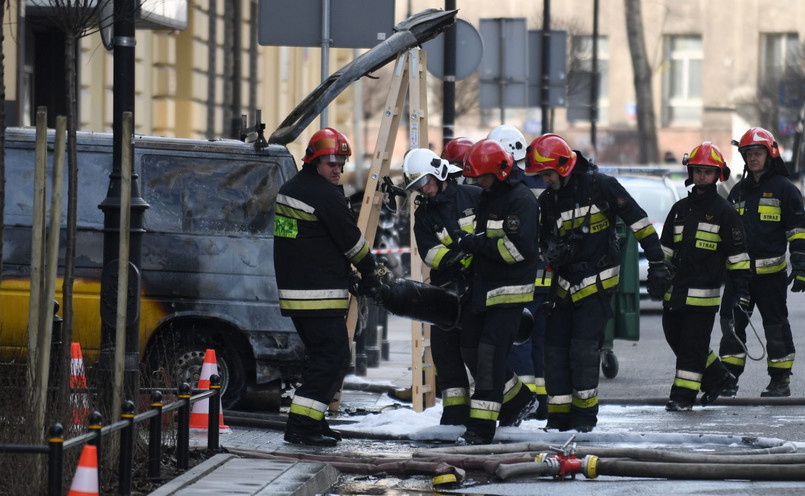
308	408
784	363
455	396
688	380
587	398
560	404
511	388
738	360
484	410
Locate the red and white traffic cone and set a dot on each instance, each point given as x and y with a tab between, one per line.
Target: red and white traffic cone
79	399
85	480
200	415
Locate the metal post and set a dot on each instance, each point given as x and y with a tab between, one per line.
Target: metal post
325	50
126	449
94	426
546	66
215	413
449	82
55	459
183	434
594	82
123	97
155	435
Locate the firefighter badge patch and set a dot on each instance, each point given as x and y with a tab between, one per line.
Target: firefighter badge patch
737	234
512	223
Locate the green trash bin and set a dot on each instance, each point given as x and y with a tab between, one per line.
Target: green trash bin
625	323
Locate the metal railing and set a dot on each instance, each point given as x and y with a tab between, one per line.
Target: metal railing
56	444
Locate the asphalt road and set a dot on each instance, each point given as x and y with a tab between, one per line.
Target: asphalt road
632	415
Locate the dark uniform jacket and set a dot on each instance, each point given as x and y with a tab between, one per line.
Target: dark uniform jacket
772	215
451	210
505	267
702	238
315	240
542	284
581	215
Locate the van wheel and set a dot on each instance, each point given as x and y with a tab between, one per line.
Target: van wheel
173	365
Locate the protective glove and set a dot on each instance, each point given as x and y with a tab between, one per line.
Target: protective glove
799	281
468	243
451	260
354	282
559	253
369	285
659	279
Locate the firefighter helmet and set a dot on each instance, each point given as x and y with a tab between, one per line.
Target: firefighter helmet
756	137
456	149
706	155
488	156
512	140
419	163
550	152
326	142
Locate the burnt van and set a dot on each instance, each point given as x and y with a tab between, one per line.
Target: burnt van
207	269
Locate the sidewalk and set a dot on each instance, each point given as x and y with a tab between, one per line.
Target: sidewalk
231	474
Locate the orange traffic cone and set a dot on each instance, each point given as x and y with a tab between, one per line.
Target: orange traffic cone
85	480
79	400
200	415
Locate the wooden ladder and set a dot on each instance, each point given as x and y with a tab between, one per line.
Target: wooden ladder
410	77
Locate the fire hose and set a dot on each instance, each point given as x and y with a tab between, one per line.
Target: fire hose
568	460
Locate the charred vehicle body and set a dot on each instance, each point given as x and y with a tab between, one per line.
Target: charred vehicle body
207	277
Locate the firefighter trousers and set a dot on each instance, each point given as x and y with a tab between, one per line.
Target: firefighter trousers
488	336
573	339
688	333
327	360
451	375
768	294
527	359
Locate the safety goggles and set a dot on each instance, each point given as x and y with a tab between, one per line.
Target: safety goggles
417	184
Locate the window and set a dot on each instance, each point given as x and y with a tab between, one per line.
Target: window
683	80
581	65
779	53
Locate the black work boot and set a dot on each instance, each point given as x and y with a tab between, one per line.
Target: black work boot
513	413
309	438
777	388
328	432
721	389
679	406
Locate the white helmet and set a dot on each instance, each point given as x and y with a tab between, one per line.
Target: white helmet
512	140
420	162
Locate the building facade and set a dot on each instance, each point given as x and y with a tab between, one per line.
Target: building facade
718	66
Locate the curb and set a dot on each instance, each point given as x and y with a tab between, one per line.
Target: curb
259	477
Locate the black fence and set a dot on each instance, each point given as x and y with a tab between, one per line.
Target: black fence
56	444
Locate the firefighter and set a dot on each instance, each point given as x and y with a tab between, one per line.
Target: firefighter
454	152
443	207
526	359
504	248
771	209
578	238
315	241
702	236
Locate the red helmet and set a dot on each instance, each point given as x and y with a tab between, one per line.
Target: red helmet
757	136
456	149
326	141
488	157
550	152
706	155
